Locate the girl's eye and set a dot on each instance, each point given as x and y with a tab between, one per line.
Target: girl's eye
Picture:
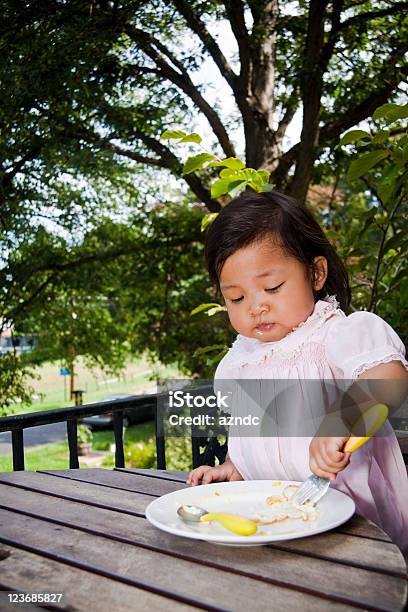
237	300
274	289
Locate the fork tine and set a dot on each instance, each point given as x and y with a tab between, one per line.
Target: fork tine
306	491
306	488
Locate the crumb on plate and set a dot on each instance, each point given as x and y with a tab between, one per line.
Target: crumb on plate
275	499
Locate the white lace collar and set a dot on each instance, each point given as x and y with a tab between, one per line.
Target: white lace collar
253	351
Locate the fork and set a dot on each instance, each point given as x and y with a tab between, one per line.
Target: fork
313	489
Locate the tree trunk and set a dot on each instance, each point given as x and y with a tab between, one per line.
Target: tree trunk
312	83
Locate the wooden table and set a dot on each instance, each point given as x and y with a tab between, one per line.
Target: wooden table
83	533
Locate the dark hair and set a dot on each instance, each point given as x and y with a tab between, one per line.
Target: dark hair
255	216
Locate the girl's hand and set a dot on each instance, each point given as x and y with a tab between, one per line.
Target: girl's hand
326	457
206	474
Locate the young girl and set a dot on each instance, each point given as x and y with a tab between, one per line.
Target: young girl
287	296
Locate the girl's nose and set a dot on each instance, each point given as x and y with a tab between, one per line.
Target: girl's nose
258	309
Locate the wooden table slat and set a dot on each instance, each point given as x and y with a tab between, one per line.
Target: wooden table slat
176	475
34	573
120	480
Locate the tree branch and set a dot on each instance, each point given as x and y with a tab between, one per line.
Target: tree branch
312	86
210	44
362	17
166	159
328	48
291	108
235	14
104	143
10	173
351	116
182	79
376	97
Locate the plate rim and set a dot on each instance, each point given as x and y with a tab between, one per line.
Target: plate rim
236	539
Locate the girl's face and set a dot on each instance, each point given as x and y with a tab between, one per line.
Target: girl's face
266	292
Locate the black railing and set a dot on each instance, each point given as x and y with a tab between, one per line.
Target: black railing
16	424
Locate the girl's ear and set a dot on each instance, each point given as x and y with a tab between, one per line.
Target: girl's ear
320	270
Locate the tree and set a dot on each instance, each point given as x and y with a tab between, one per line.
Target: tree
107	77
88	88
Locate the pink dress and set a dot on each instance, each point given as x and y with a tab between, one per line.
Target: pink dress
328	346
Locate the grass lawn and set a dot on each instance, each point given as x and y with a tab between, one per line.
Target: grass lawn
46	457
103	439
136	379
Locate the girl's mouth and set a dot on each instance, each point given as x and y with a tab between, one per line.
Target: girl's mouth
261	328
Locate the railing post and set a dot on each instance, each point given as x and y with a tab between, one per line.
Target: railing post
118	431
17	440
73	444
160	443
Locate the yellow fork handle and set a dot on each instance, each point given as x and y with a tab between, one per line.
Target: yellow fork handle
232	522
372	419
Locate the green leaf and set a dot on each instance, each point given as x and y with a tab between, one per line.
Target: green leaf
230	162
208	349
391	112
196	162
207	220
171	134
380	137
266	187
354	136
397	155
249	174
385	191
203	307
194	137
396	280
332	234
405	154
264	176
365	162
236	187
399	240
214	359
212	311
220	187
227	172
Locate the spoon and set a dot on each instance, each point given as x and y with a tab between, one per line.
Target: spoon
232	522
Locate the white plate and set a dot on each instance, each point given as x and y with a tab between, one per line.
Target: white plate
248	498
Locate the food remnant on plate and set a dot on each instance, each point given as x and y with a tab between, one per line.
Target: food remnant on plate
275	499
217	493
289	491
309	516
277	483
276	519
288	511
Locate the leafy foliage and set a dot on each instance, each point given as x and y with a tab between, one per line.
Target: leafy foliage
376	244
90	223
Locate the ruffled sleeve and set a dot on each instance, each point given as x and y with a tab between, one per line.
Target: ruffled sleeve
361	341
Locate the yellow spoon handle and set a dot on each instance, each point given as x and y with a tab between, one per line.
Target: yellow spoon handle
371	421
232	522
